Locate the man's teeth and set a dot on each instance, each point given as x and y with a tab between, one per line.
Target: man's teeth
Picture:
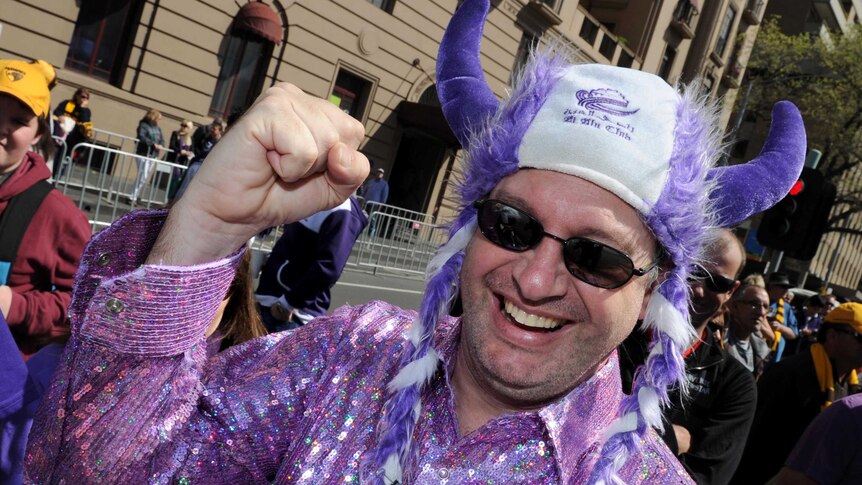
530	320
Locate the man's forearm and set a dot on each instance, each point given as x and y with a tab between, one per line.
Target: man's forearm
786	331
188	238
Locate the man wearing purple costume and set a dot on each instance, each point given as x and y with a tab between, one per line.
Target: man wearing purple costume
585	202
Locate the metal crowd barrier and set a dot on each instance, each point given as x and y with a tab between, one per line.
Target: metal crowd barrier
396	241
60	154
397	244
372	207
115	140
101	180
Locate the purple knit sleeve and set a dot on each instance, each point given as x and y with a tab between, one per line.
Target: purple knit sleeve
134	397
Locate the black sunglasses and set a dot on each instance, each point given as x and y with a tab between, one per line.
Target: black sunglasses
589	261
713	282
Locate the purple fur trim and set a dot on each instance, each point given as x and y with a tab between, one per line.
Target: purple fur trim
663	371
621	445
493	152
680	221
682	217
396	428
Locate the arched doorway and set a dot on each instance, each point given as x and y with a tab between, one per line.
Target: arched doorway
244	57
426	144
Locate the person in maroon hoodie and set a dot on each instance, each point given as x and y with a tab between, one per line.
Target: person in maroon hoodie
36	274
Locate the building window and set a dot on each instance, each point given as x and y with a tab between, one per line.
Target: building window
667	62
708	83
684	11
102	38
351	93
608	46
243	71
589	31
385	5
626	59
553	4
528	43
724	33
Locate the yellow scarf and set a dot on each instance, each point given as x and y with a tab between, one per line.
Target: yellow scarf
779	317
823	369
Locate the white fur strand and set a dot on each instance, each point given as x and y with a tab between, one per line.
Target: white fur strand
416	372
456	243
415	333
623	424
392	470
650	408
664	317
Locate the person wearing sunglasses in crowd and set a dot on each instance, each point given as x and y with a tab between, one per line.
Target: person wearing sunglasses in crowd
793	392
749	335
708	427
585	202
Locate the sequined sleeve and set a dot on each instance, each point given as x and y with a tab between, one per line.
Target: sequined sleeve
135	399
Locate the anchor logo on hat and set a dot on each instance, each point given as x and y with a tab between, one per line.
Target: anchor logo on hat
607	100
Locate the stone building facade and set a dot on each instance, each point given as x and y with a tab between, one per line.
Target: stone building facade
198	59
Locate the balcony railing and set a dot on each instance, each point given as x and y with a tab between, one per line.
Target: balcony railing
732	74
546	10
682	17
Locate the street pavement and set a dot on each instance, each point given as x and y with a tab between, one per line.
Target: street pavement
356	287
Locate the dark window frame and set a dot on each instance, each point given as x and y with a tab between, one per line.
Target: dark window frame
608	46
554	5
362	95
589	31
231	73
668	57
723	39
99	16
684	12
626	59
385	5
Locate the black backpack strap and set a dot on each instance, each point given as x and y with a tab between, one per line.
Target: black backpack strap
14	223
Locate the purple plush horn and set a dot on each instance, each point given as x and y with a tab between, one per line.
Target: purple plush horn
464	94
746	189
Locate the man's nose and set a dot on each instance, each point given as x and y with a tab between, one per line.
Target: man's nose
541	273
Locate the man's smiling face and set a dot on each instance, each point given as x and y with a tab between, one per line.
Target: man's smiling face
507	294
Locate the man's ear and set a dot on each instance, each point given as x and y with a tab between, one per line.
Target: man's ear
648	290
647	296
733	290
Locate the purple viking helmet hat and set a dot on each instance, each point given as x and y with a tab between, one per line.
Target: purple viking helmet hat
626	131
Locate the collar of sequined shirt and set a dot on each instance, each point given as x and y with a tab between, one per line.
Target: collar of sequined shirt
574	423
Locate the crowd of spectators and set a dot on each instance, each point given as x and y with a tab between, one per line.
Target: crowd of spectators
767	363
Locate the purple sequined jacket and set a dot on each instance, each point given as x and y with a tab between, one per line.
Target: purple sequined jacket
135	400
